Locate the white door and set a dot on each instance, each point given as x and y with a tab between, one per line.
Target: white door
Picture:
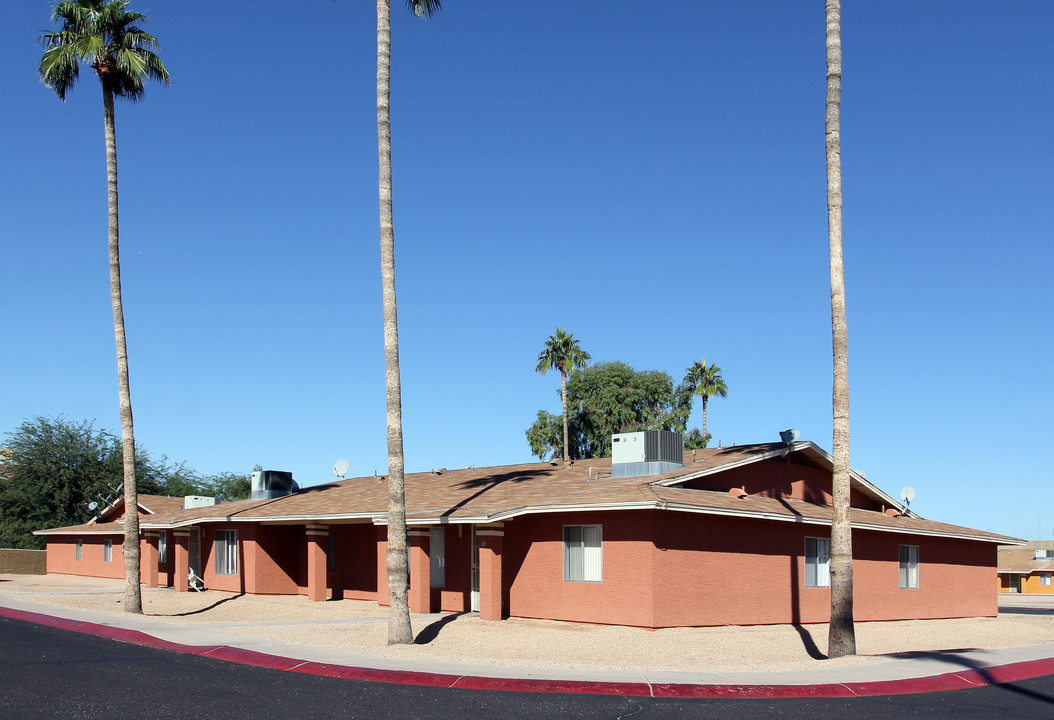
194	552
475	571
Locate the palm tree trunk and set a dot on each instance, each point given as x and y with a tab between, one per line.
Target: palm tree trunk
563	398
842	635
133	600
705	398
399	628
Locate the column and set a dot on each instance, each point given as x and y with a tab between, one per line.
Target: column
420	572
490	540
382	565
181	545
148	558
317	538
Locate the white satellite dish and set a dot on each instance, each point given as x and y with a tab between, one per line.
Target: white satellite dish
92	505
340	468
907	495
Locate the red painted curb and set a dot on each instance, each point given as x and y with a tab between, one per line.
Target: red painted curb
962	680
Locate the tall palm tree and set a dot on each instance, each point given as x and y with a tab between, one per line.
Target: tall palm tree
106	36
562	352
708	383
842	635
399	629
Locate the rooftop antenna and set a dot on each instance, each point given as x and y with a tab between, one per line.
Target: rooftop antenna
907	495
340	468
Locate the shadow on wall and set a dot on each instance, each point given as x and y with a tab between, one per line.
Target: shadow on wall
803	632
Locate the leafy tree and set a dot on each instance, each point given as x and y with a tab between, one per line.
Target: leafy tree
608	398
562	353
106	36
228	486
54	468
842	635
398	561
707	383
695	440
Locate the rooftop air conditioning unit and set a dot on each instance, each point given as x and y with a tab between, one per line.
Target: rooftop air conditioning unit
267	484
197	501
649	452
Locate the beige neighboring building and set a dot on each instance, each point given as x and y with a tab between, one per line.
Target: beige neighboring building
1028	569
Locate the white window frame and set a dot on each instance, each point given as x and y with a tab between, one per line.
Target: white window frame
78	549
1045	579
225	552
107	550
162	547
909	567
437	557
583	553
817	562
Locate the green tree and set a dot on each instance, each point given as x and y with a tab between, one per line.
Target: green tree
562	353
53	469
106	36
695	440
229	486
399	628
707	383
842	634
607	398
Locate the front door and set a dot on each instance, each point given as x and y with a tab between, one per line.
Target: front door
194	551
475	571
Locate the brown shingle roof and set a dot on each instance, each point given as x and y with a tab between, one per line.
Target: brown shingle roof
491	494
1022	560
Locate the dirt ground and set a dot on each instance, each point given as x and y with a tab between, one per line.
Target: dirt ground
361	627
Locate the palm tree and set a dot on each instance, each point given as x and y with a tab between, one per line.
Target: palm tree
708	383
842	634
107	37
562	352
399	629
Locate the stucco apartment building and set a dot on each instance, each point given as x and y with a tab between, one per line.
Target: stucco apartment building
1028	568
737	535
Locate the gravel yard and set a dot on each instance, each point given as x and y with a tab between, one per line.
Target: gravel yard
361	627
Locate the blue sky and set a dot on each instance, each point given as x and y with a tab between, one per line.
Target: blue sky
650	177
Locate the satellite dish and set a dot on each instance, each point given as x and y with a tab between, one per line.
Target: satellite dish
340	468
92	505
907	495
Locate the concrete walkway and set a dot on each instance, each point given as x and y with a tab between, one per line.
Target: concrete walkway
904	673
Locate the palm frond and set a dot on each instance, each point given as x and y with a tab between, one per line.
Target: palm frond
424	8
105	35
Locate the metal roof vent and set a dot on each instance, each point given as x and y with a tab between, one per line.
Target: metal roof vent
267	484
649	452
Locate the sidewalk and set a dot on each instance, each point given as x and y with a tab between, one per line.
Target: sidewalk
240	637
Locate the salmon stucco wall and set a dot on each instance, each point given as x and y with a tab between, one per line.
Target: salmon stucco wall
62	558
456	593
265	553
532	568
667	569
355	575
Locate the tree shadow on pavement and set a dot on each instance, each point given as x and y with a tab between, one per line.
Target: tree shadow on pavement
808	642
204	609
955	657
431	631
